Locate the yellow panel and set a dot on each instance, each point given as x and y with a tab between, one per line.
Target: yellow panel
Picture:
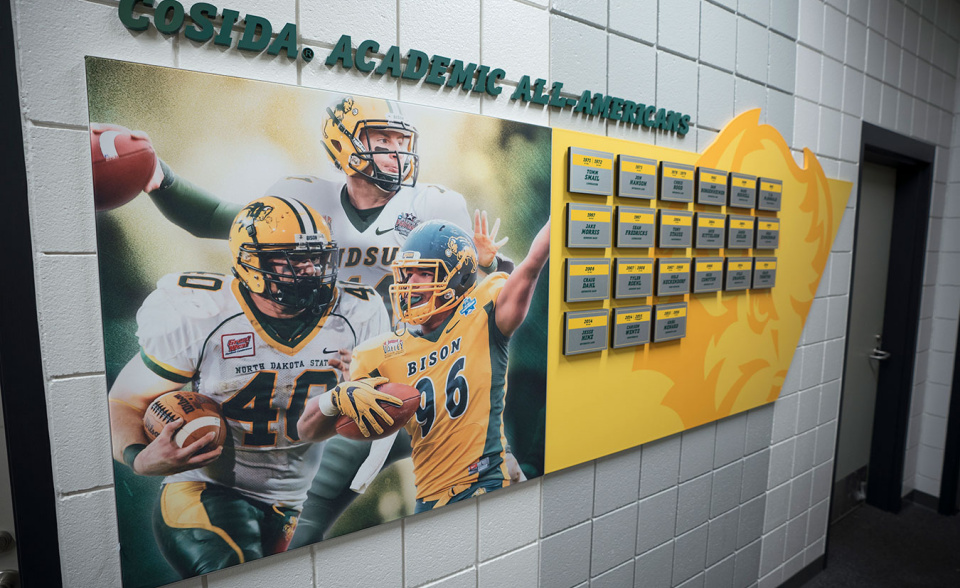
705	221
589	270
588	161
739	266
633	317
712	178
590	321
766	265
680	174
743	183
635	268
676	220
741	224
770	187
638	168
593	216
633	217
769	225
709	266
738	345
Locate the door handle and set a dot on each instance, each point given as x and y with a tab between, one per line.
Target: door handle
879	354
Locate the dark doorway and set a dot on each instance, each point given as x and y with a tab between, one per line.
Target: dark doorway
896	174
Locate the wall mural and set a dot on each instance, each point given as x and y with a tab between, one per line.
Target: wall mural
332	311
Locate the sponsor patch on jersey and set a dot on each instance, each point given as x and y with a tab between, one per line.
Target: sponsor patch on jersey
237	345
479	466
406	222
468	306
393	347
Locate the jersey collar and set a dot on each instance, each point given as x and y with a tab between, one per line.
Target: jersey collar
261	322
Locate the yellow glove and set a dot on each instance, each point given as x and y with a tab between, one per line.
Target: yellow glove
358	400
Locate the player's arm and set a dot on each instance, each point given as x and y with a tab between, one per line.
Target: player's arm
191	207
135	388
514	300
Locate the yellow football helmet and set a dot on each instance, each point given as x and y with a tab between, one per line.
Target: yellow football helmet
282	249
448	252
345	137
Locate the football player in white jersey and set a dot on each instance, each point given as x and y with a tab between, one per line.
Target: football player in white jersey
261	344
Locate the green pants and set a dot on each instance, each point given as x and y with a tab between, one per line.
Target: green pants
201	527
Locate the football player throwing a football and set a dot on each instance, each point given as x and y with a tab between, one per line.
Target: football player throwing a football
262	344
456	356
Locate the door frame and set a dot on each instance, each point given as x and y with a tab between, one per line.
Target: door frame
949	501
21	366
914	162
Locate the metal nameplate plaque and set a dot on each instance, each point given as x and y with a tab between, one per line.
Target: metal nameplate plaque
673	276
585	331
710	230
764	272
711	186
740	232
676	182
637	177
589	225
739	273
636	227
587	279
633	277
670	322
768	233
743	190
770	193
631	326
707	274
676	229
591	172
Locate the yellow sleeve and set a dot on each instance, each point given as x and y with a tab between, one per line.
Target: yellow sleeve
367	358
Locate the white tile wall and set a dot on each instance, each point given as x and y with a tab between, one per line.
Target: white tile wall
762	480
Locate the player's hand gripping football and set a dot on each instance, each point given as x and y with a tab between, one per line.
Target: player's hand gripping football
157	178
162	457
358	400
485	239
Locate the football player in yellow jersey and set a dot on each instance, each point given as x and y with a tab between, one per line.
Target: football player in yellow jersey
456	357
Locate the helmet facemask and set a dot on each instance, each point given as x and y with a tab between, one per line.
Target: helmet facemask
285	280
414	303
346	138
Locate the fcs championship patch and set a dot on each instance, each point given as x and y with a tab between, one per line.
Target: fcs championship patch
406	222
392	347
468	306
237	345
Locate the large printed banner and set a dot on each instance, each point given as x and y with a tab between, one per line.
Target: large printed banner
330	311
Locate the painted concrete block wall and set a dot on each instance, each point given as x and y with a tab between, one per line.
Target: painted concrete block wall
741	502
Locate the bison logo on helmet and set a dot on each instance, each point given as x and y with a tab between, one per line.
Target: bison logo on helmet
463	251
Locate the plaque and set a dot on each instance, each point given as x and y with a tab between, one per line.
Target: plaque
585	331
636	227
711	186
589	225
587	279
631	326
768	233
670	322
637	177
633	277
673	276
743	190
764	272
739	273
739	232
676	229
710	229
591	172
676	182
707	274
770	192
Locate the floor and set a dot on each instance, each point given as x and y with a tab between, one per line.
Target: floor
876	549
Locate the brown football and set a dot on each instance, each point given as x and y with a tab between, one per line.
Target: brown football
122	165
200	414
400	414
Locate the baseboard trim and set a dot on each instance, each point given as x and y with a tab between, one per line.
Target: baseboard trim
806	574
923	499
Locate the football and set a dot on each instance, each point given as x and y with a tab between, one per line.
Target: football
400	414
122	165
200	414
